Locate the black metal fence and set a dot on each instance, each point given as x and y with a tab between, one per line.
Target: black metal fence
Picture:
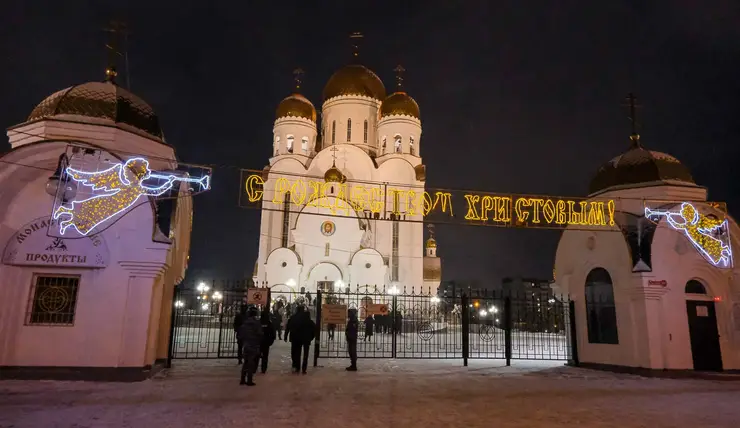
417	324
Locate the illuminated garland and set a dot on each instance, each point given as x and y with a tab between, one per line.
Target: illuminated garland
123	186
701	231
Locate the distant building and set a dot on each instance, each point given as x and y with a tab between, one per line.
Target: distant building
527	287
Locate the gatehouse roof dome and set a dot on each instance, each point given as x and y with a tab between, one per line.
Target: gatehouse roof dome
354	79
296	105
101	100
400	104
637	167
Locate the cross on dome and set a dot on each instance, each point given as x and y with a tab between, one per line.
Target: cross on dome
632	104
399	76
298	77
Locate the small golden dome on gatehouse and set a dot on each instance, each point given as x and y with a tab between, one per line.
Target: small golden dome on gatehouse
431	243
334	175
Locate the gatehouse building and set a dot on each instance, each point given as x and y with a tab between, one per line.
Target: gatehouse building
661	292
92	305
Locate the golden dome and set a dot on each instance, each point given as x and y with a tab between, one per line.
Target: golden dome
354	79
334	175
296	105
399	104
431	243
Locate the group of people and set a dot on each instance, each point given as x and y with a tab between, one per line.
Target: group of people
256	333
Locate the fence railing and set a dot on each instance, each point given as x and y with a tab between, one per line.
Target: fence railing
418	324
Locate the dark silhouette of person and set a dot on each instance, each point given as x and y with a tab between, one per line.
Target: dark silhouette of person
369	326
331	329
250	334
277	322
350	333
268	338
301	330
238	320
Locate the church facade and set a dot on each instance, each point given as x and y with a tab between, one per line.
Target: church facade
88	285
661	291
362	136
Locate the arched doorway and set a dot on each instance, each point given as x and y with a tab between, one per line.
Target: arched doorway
323	273
601	311
703	332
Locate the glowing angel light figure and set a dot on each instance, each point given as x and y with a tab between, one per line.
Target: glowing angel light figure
701	230
122	185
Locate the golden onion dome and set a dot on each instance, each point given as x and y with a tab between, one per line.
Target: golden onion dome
354	79
399	104
334	175
296	105
431	243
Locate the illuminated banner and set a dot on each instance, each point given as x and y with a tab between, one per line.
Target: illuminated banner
709	234
387	201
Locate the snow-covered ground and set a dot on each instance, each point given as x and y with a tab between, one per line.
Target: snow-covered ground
384	393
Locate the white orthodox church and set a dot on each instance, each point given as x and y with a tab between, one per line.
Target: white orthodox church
661	292
362	136
96	306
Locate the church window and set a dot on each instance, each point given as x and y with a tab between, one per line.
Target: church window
327	248
411	144
695	287
304	145
333	131
289	144
397	143
364	137
277	145
54	300
349	130
286	220
601	313
383	148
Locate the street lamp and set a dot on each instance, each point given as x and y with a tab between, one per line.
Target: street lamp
393	290
205	306
483	312
338	285
290	282
217	295
435	299
203	288
60	179
179	304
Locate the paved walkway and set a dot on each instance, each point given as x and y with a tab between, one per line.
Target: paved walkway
385	393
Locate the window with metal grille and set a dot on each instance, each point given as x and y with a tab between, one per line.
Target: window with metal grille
333	131
53	300
286	219
349	130
364	137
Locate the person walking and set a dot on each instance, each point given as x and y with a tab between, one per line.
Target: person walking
301	330
350	333
369	327
277	322
238	320
250	335
331	329
268	338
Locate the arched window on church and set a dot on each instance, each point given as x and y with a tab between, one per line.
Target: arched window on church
695	287
364	137
289	144
397	143
601	312
277	145
411	144
333	131
383	148
349	130
304	145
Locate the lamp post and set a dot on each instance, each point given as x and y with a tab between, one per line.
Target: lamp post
60	179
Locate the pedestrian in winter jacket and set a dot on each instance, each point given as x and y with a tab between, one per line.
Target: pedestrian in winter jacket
238	320
277	322
350	333
301	330
268	338
250	335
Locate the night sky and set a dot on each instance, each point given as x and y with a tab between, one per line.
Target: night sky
514	96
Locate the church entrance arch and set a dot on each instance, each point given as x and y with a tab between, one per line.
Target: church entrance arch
323	273
703	331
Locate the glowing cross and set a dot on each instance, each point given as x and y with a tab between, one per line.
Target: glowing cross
703	231
298	77
399	76
122	185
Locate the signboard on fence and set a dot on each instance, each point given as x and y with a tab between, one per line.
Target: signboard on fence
333	314
257	296
376	309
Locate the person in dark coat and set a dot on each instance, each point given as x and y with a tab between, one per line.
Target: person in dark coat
350	333
268	338
277	322
331	329
250	335
369	326
238	320
301	330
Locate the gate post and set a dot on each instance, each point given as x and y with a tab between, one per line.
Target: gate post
395	329
317	335
465	328
507	329
573	334
173	318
